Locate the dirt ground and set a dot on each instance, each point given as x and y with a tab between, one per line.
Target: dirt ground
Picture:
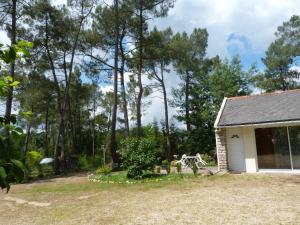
227	199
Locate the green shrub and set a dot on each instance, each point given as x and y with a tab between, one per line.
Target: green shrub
138	156
178	167
208	159
166	164
90	162
195	168
33	159
83	163
105	170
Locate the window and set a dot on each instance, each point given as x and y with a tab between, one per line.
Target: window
273	148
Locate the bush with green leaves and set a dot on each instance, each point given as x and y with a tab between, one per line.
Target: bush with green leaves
105	170
90	162
138	156
11	170
208	159
178	167
195	168
166	165
33	159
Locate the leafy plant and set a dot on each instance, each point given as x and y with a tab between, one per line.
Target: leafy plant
138	156
195	168
33	159
208	159
166	164
178	167
105	170
90	162
11	170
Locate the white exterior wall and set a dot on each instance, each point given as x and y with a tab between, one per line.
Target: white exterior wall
250	150
242	154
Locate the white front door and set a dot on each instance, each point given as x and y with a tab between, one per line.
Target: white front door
235	149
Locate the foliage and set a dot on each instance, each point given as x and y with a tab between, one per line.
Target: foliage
90	162
138	156
208	159
33	159
120	177
105	170
166	165
195	168
178	168
281	56
10	169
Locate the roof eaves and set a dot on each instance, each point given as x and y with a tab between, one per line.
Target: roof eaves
261	123
220	112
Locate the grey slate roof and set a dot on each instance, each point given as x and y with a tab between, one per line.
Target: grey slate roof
259	109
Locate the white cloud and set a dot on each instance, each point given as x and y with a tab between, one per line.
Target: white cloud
255	19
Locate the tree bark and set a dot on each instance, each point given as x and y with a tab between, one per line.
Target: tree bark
169	153
187	102
72	126
28	133
140	66
61	134
46	132
58	150
13	34
94	114
123	90
113	143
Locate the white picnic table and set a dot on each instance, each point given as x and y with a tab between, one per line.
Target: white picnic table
189	161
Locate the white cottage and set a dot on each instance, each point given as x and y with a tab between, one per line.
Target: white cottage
259	133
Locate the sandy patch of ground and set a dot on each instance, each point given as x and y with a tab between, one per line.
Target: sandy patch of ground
227	199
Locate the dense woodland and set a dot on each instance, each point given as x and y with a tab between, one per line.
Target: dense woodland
84	46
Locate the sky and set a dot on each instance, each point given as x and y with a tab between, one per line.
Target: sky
244	27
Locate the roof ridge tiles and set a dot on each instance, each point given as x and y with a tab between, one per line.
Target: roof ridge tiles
264	94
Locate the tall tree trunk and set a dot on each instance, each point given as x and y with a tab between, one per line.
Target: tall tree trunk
123	90
169	153
61	134
187	101
46	132
113	143
79	129
58	150
28	133
13	35
72	126
140	67
94	115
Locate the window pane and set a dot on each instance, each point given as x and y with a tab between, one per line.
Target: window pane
272	148
295	145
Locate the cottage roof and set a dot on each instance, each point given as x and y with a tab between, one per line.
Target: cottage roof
274	107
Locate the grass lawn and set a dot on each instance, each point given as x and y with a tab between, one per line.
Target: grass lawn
226	199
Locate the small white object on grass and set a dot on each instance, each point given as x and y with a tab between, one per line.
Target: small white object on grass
46	160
